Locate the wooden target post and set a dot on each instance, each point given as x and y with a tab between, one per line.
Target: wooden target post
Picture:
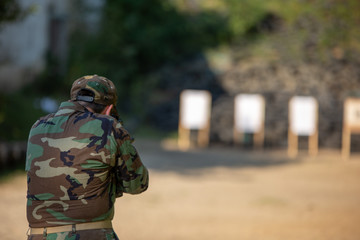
303	121
249	117
195	111
351	124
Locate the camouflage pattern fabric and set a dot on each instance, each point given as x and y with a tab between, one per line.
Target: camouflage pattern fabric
78	162
103	89
106	234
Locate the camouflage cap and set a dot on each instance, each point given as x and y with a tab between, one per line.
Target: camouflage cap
102	90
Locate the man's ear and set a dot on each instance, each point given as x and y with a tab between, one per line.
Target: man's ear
107	109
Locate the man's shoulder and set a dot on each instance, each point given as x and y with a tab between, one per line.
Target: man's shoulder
104	118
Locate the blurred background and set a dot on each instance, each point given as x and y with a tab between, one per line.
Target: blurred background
154	49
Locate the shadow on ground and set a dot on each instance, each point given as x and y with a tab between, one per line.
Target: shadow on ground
158	158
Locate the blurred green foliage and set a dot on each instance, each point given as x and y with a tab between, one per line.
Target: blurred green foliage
244	15
137	37
9	10
18	113
300	30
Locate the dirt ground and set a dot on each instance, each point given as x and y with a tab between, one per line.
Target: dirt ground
231	194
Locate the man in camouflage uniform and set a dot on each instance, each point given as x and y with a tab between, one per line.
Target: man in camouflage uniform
79	160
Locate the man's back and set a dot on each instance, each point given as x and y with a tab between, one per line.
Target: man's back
70	159
70	180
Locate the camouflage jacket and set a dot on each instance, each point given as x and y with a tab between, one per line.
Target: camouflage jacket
77	163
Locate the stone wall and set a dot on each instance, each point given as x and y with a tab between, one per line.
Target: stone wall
330	85
276	81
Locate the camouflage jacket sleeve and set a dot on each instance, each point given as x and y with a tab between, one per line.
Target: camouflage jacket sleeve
131	175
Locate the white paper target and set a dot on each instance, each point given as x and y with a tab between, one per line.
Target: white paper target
195	109
249	112
352	114
303	119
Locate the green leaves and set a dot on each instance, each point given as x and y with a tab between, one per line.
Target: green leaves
137	37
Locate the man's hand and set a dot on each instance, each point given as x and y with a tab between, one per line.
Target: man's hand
108	109
112	111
